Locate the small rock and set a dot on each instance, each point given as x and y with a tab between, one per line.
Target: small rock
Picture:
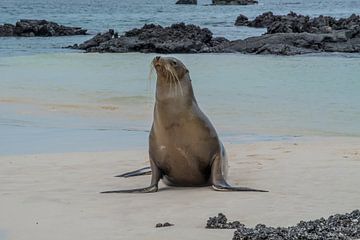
220	222
241	20
234	2
166	224
186	2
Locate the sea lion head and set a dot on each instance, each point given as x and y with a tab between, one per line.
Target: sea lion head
173	79
169	69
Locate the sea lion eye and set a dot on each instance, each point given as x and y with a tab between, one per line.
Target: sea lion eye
174	63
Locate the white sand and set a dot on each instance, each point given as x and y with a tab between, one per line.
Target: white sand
57	196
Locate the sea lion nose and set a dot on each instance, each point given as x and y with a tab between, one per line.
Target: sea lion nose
157	58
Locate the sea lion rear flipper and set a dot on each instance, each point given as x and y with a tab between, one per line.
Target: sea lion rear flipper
218	180
150	189
155	178
139	172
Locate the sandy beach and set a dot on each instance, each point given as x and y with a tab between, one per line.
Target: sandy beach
70	121
56	196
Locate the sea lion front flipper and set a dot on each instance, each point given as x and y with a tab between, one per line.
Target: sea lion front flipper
135	173
218	180
155	178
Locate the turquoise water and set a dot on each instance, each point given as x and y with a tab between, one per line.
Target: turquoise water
82	102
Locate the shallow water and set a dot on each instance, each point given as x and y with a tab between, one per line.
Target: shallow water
82	102
121	15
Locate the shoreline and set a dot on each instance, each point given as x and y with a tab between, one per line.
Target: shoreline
307	179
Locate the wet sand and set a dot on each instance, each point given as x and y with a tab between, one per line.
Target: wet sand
56	196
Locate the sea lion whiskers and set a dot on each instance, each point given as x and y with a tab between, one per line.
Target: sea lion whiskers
169	77
174	77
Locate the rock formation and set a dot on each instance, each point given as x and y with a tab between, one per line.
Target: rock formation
297	34
286	35
38	28
186	2
178	38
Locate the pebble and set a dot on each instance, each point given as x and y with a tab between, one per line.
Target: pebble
166	224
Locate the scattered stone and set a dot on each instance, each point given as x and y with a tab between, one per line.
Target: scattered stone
178	38
186	2
336	227
220	222
234	2
242	20
38	28
166	224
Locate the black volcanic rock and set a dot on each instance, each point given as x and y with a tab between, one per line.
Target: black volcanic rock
38	28
297	34
220	222
178	38
336	227
186	2
299	43
166	224
292	34
297	23
242	20
262	21
234	2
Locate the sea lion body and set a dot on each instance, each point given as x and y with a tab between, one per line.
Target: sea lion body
184	148
182	144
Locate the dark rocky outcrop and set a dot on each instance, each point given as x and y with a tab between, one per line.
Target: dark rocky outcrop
186	2
297	23
297	34
294	34
234	2
336	227
299	43
41	28
178	38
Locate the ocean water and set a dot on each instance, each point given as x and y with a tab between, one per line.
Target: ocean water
55	100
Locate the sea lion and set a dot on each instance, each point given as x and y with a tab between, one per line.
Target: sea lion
184	148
